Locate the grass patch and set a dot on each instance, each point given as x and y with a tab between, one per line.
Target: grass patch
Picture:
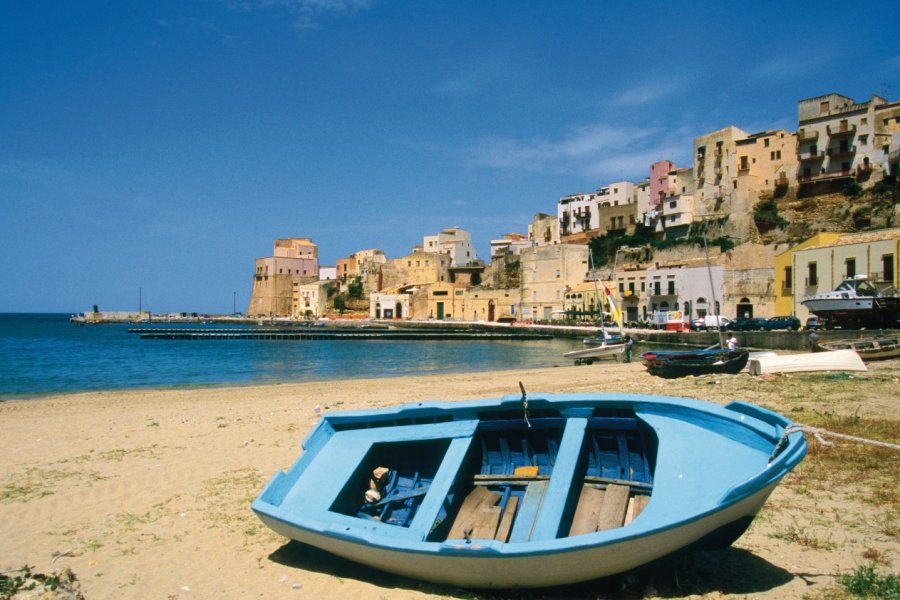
26	580
868	582
794	535
35	483
845	465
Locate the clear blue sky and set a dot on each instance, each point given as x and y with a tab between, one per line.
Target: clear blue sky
163	145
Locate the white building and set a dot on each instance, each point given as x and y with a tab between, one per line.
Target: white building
455	243
686	289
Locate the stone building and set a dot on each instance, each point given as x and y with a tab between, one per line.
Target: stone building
415	269
293	260
547	272
310	300
839	140
544	230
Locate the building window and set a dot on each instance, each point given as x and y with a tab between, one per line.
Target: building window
672	288
850	267
887	264
788	277
812	274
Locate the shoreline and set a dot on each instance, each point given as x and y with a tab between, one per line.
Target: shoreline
146	493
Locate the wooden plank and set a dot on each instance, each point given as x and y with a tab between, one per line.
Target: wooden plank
587	512
640	503
528	511
615	503
469	514
507	520
486	520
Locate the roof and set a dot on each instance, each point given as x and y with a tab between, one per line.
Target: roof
865	237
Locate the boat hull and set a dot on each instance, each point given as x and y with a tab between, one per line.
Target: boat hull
679	471
481	566
868	349
603	351
694	363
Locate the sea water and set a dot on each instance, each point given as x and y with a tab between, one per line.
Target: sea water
44	354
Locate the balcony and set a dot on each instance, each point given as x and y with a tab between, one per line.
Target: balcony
842	174
842	152
844	129
744	171
812	156
807	136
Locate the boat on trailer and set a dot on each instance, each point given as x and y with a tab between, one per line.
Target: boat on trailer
612	348
520	492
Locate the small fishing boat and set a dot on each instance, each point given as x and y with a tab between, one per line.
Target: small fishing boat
725	358
611	348
873	348
682	363
520	492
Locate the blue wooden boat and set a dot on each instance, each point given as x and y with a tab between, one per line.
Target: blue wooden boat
681	363
529	492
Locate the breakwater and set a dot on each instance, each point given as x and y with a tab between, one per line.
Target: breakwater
341	333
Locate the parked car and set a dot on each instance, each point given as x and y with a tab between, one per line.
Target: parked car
789	323
814	323
749	324
716	321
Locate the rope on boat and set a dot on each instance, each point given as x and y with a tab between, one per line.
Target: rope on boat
820	435
525	403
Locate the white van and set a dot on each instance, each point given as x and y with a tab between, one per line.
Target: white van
716	321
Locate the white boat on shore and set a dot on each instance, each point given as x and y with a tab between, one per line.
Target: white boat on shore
839	360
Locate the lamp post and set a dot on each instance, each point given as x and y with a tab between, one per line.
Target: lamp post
233	303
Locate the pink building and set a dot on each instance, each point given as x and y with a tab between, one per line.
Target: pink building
659	181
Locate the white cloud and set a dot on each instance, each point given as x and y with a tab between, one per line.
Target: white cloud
790	65
306	13
648	92
590	150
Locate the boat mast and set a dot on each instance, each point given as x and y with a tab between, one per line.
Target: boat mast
712	290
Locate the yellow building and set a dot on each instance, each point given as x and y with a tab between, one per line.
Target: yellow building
784	272
547	271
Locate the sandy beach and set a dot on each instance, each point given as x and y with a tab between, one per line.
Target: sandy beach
146	494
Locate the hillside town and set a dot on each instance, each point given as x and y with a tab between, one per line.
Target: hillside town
759	222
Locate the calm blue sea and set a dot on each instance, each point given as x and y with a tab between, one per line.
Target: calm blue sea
45	354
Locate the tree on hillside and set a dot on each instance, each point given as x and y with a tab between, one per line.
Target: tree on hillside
766	216
355	288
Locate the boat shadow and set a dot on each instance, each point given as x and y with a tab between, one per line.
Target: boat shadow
686	573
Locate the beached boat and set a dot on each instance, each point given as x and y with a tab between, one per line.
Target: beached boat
873	348
529	492
839	360
855	302
681	363
725	358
